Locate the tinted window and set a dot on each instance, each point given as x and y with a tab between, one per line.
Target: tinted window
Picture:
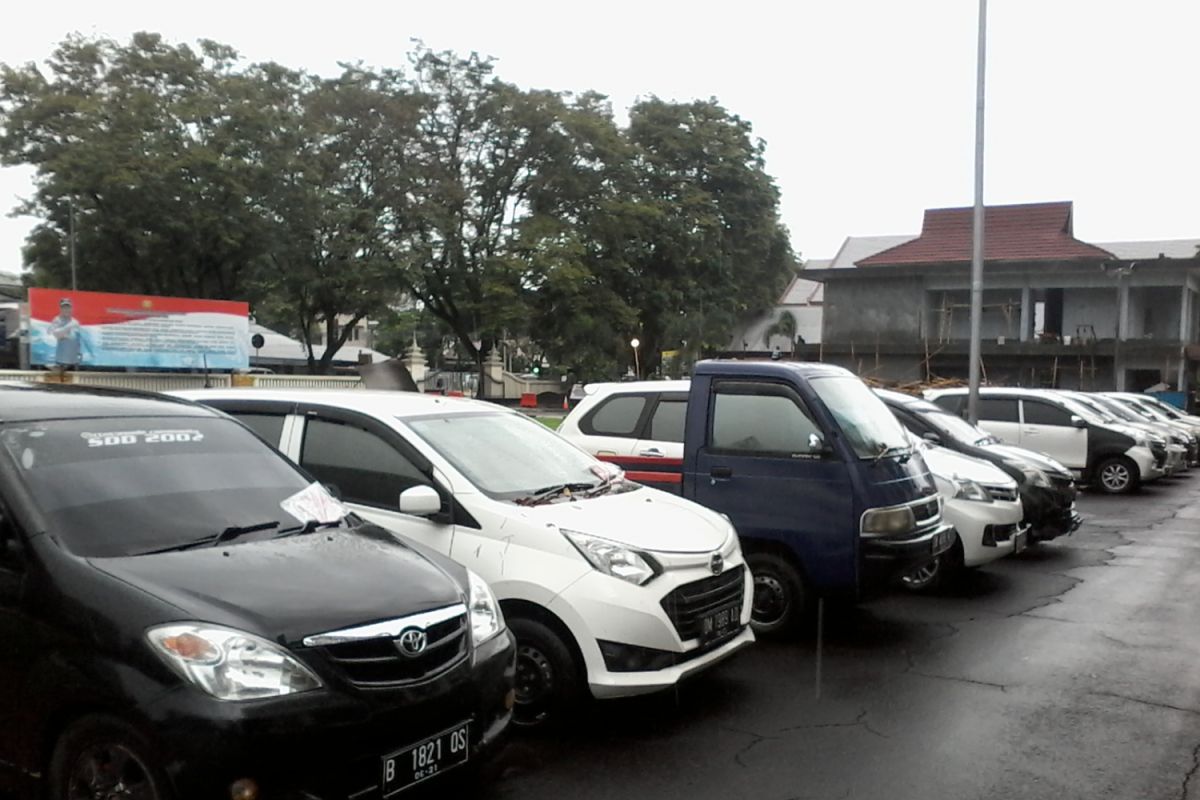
617	416
667	423
123	486
1045	414
998	409
268	426
760	423
363	467
950	402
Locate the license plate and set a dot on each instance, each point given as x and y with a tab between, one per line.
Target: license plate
1020	541
720	622
426	759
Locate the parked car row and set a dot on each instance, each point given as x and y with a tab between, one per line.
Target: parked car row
1112	441
327	594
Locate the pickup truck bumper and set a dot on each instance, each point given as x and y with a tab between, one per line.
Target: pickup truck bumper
884	558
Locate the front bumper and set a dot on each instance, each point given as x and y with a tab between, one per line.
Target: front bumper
885	558
1177	459
1150	465
327	744
988	531
630	624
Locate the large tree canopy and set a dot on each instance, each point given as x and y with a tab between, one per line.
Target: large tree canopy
505	213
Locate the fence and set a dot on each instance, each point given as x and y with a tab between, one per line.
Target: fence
165	382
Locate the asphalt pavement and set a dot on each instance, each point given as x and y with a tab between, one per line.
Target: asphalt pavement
1069	671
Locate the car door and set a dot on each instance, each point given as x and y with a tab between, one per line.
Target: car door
1046	428
759	466
368	465
1001	417
612	427
662	433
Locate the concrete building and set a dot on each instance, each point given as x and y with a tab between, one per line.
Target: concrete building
1057	311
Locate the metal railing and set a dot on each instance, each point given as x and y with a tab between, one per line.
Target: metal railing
165	381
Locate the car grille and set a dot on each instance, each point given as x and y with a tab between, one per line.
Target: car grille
1002	493
688	605
1160	453
379	663
926	511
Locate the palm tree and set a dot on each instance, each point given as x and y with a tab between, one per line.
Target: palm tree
784	326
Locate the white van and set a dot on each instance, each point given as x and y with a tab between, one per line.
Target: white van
607	585
1111	457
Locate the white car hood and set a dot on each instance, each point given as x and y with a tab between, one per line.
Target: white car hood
948	464
644	519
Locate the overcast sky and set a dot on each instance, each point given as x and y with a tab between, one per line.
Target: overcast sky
867	106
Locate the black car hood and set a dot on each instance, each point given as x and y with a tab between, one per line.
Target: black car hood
289	588
1029	457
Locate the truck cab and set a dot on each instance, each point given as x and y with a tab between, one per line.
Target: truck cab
820	480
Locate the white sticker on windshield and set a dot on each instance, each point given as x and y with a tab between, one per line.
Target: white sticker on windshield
125	438
314	504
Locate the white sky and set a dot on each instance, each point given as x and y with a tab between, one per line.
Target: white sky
867	106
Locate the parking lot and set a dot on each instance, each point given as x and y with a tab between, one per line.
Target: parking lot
1069	671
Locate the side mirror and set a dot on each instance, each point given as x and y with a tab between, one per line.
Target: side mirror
1078	421
817	444
932	437
420	501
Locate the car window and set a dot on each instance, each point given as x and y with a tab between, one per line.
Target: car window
775	423
616	416
950	402
666	425
363	467
126	485
1038	413
998	409
268	426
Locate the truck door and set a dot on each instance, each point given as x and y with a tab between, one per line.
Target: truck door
765	464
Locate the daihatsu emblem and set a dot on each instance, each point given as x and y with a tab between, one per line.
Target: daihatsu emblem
412	642
716	563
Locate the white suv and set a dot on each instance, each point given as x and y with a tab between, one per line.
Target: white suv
606	584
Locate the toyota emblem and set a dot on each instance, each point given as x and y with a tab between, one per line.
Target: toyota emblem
412	642
716	563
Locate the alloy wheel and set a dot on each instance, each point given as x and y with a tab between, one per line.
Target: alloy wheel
110	772
1115	477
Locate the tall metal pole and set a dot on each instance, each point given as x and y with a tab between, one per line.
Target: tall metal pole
71	236
977	227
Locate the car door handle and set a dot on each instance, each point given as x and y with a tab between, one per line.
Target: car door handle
1031	432
721	473
653	452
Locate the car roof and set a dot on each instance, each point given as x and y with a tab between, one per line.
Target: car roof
630	387
782	369
372	402
907	401
29	402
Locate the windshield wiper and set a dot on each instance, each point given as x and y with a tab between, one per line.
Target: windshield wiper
227	535
309	527
886	450
548	493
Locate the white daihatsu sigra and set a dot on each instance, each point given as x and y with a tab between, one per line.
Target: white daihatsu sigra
609	586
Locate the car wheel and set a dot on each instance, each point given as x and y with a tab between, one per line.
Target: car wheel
102	757
1117	475
924	578
779	595
548	680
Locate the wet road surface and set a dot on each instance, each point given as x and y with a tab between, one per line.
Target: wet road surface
1070	671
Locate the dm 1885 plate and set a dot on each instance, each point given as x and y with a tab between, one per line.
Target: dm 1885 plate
426	759
720	622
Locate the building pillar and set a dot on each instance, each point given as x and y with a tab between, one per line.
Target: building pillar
1026	314
493	376
414	361
1185	332
1122	330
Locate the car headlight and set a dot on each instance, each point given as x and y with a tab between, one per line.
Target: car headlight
486	618
970	490
888	520
230	664
613	558
1035	477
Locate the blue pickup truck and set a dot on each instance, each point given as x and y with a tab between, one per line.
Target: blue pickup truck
812	468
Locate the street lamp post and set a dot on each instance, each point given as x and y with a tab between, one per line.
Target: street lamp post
977	233
635	343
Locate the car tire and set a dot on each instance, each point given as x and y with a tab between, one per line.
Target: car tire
924	578
1117	475
548	680
101	756
780	595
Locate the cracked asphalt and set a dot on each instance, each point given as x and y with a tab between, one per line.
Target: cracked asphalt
1070	671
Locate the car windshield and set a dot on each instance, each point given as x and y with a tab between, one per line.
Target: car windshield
868	425
1117	410
1096	408
123	486
508	456
955	427
1151	412
1087	412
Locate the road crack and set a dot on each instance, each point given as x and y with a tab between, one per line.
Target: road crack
1187	779
1151	703
859	721
912	669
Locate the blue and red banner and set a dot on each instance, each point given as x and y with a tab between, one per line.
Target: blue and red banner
98	329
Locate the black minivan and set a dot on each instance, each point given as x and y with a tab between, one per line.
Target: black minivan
186	614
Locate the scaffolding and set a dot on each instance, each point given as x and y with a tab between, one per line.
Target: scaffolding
945	314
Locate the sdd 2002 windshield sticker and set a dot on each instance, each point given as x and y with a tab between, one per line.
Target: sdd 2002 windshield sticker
126	438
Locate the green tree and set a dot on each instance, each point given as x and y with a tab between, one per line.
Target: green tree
149	143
